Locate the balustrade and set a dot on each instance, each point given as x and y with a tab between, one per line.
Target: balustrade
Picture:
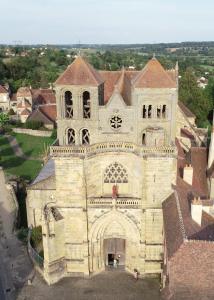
110	147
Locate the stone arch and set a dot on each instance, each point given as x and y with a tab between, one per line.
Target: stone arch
100	226
70	136
84	136
113	225
86	100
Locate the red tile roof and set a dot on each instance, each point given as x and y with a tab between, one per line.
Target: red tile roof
49	111
80	72
43	96
24	92
24	105
25	112
3	90
110	80
153	75
199	164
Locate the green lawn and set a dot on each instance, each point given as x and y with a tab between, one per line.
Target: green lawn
26	169
33	146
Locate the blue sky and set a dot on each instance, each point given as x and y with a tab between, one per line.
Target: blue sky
102	21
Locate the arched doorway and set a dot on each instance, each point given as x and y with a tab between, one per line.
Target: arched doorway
114	248
113	233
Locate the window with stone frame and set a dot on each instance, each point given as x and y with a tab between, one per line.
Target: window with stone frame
164	111
116	122
115	173
85	137
86	105
71	136
68	105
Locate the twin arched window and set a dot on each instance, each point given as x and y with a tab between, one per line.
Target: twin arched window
159	111
86	102
84	136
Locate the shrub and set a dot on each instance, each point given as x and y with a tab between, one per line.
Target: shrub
35	125
11	112
54	134
22	234
36	236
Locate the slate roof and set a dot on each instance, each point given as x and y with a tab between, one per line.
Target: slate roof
80	72
47	171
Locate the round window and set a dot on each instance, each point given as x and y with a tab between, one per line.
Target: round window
115	122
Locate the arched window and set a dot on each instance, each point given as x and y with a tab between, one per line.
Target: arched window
150	111
115	173
71	136
85	136
144	139
68	105
86	105
164	111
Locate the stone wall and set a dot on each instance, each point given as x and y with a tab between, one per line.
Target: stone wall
32	132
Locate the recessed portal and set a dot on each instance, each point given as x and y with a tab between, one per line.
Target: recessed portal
114	249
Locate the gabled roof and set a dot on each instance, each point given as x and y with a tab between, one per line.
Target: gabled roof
24	92
153	75
80	72
3	90
25	112
43	96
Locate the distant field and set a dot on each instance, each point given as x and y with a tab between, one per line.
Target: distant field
207	67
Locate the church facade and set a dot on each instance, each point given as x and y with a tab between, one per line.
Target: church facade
99	197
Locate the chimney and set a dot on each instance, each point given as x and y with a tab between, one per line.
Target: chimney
196	210
188	174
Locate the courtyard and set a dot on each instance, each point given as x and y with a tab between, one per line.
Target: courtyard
109	285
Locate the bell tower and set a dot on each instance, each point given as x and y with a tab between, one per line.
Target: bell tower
79	91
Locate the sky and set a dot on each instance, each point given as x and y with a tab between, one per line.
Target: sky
103	22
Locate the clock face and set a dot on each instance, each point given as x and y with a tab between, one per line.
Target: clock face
115	122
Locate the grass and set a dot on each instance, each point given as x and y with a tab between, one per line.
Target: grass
33	146
13	165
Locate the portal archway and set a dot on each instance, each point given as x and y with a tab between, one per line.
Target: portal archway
113	226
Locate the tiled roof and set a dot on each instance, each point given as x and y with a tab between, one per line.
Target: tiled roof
80	72
153	75
24	105
49	111
110	79
24	92
45	114
199	164
43	96
186	133
186	110
25	112
13	97
3	90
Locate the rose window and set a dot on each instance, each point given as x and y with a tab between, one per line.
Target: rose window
115	122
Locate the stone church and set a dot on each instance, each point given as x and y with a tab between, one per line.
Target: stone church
100	195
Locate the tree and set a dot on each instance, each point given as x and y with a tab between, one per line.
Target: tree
194	97
4	119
